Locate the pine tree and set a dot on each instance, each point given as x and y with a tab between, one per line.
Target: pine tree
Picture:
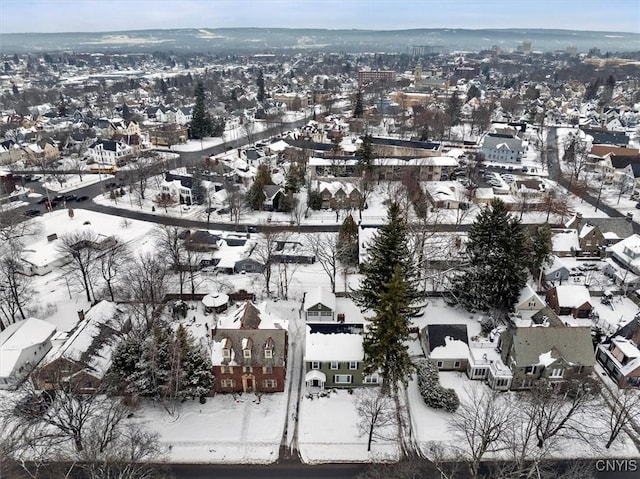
497	259
385	338
358	110
453	109
200	118
388	249
156	364
126	114
260	84
196	368
539	247
198	192
348	242
125	364
364	154
255	195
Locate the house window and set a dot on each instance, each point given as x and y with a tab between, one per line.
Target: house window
439	364
246	353
247	369
226	370
532	303
313	313
456	364
353	365
227	383
342	378
226	353
530	370
500	383
267	370
326	313
371	379
556	373
268	353
269	383
315	364
334	365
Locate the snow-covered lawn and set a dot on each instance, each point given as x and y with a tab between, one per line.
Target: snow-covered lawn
73	182
328	432
226	429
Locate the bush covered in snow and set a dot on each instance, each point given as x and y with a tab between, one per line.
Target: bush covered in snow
432	392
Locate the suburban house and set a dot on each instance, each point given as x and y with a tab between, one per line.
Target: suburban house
334	355
502	148
565	242
110	152
82	360
624	263
546	350
595	235
447	194
571	300
619	355
249	351
43	257
339	195
273	196
168	135
292	252
555	271
447	345
23	344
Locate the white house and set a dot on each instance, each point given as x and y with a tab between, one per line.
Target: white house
502	148
22	347
110	152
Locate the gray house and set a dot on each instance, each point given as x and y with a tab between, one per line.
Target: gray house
447	345
556	271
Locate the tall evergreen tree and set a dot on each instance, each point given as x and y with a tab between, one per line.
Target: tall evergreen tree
385	338
260	84
255	195
497	261
200	118
348	242
198	192
453	109
540	248
364	154
358	110
388	248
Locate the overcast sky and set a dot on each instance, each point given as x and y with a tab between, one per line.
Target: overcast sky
114	15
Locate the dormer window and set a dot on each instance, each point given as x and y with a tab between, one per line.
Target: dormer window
268	353
246	353
226	349
268	349
246	348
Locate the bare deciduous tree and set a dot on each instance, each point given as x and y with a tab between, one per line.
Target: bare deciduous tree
15	287
625	409
265	250
171	247
147	285
83	248
114	263
377	415
324	246
481	422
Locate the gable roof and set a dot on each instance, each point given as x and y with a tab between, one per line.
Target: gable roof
322	295
573	344
18	336
621	227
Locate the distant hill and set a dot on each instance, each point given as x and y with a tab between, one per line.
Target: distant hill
256	40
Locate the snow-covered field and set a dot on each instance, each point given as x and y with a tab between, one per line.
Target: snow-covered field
328	432
226	429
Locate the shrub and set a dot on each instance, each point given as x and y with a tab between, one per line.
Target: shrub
433	394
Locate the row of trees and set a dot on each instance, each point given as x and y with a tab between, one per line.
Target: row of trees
164	364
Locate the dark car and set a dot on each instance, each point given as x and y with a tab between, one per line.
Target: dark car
32	213
111	185
638	205
42	200
70	197
82	198
58	198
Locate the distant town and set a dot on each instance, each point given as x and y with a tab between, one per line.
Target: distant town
426	262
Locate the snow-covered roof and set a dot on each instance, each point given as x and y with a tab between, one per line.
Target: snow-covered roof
333	347
453	349
572	296
565	240
18	336
322	295
215	300
97	320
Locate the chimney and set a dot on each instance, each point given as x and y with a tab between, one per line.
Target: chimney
81	315
579	216
629	217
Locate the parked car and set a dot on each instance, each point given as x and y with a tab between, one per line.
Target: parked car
32	213
58	198
42	200
70	197
82	198
638	205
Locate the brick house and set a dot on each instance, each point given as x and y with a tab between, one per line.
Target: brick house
249	352
82	361
570	300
